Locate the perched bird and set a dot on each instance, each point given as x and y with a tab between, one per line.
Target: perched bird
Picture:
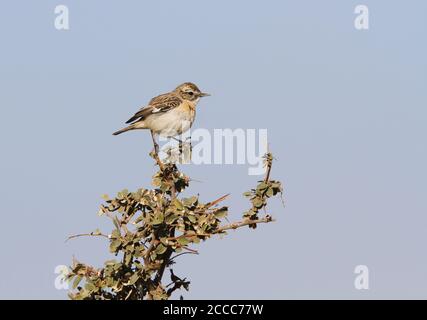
169	114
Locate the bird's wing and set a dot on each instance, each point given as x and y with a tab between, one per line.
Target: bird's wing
159	104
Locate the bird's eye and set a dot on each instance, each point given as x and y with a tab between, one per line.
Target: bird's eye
191	93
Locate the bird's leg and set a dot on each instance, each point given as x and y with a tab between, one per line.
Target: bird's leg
180	144
191	146
184	148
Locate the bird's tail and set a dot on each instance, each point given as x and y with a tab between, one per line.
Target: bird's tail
124	130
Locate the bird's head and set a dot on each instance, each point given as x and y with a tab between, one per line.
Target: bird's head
189	91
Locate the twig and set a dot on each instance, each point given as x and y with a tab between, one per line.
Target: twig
153	243
269	163
129	294
243	223
92	234
233	225
182	253
191	250
212	203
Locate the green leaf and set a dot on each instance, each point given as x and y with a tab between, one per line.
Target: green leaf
160	249
171	218
153	255
158	218
189	202
257	202
192	218
115	234
221	212
178	204
114	245
276	184
183	241
262	186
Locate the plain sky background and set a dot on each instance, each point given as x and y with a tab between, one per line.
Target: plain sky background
346	118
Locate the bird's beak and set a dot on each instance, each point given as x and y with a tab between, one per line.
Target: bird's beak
203	94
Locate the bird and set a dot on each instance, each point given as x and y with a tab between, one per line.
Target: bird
169	114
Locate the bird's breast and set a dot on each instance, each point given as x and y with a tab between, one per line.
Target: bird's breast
173	122
188	107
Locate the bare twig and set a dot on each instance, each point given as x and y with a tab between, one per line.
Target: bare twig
129	294
234	225
191	250
182	253
92	234
243	223
212	203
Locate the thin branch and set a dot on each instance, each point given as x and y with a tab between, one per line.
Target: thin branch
92	234
269	164
129	294
243	223
212	203
153	243
234	225
182	253
191	250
